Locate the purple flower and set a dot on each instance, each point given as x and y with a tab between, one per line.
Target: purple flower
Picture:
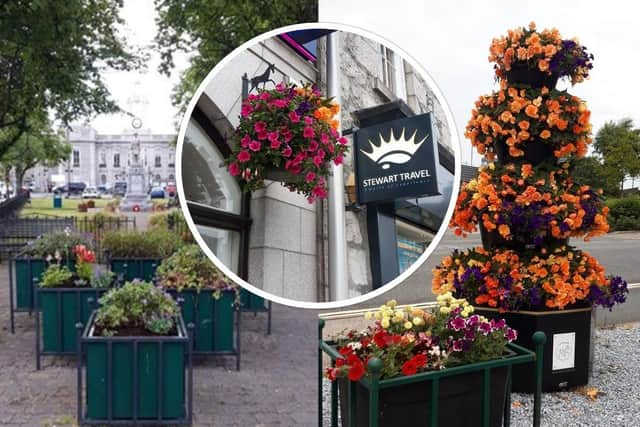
473	320
457	323
484	328
511	334
458	345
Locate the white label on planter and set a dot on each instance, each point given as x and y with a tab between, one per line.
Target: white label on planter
564	351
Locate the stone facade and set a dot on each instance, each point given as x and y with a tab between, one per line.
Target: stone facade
102	159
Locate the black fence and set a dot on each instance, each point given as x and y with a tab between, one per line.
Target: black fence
16	232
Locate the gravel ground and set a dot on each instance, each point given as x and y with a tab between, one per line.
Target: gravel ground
615	378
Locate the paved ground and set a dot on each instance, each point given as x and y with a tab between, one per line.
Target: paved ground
277	384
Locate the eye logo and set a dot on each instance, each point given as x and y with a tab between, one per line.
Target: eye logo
394	150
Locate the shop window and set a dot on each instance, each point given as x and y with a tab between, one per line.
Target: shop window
412	242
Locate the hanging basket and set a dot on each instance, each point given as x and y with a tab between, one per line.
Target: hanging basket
536	151
521	73
279	174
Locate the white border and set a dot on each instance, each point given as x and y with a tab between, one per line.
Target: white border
455	142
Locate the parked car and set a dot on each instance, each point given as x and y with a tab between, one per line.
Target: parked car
120	188
171	189
76	188
90	193
60	189
156	193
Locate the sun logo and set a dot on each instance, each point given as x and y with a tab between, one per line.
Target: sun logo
394	150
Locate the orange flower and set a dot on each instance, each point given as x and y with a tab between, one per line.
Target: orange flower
531	111
545	134
523	124
504	230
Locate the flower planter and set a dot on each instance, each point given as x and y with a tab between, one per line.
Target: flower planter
562	367
62	309
493	240
279	175
403	405
481	389
135	379
536	151
214	320
127	269
520	73
28	272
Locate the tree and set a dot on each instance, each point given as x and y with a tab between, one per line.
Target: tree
52	54
39	145
590	171
619	146
213	28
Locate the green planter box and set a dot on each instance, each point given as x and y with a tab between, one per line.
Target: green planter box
482	389
62	309
28	271
252	302
136	378
214	320
135	268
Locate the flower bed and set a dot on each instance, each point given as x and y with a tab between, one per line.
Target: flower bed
412	365
290	129
208	300
137	255
65	298
138	359
529	206
518	117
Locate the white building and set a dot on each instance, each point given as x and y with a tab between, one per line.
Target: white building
102	159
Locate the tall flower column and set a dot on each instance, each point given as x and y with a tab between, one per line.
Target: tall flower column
526	203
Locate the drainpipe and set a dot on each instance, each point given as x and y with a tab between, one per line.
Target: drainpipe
338	275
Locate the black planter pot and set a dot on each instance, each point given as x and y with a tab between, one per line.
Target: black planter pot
279	175
404	406
493	240
562	368
536	151
520	73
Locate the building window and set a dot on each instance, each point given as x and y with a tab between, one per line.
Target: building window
103	179
388	68
158	161
116	160
76	158
103	160
158	179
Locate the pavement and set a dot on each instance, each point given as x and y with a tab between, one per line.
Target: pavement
276	386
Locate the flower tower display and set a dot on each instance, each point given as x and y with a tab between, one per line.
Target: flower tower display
526	205
287	134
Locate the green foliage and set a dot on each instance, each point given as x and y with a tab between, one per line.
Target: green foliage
213	28
136	305
619	146
590	171
38	145
624	213
172	220
56	276
61	242
189	268
102	277
135	244
52	57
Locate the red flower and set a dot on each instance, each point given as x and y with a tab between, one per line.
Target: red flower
275	144
234	169
294	117
246	110
244	156
244	142
308	132
255	145
287	151
310	177
260	127
420	360
409	367
356	368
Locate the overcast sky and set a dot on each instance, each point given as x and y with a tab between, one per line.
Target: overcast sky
451	40
151	87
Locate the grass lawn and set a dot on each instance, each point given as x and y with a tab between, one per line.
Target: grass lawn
44	206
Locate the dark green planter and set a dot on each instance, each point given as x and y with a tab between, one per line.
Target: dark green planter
135	268
252	302
29	271
136	378
62	309
213	319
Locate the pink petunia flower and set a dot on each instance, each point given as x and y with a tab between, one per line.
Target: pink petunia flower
275	144
338	160
255	145
244	156
294	117
234	169
308	132
244	142
260	126
311	176
313	145
287	151
246	110
308	120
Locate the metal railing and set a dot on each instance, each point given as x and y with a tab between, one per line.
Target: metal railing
374	384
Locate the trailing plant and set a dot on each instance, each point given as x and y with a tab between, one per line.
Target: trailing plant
410	340
189	268
136	308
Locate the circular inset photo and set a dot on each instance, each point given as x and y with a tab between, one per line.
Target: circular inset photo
318	165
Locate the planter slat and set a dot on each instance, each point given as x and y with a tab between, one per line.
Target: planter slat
135	268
